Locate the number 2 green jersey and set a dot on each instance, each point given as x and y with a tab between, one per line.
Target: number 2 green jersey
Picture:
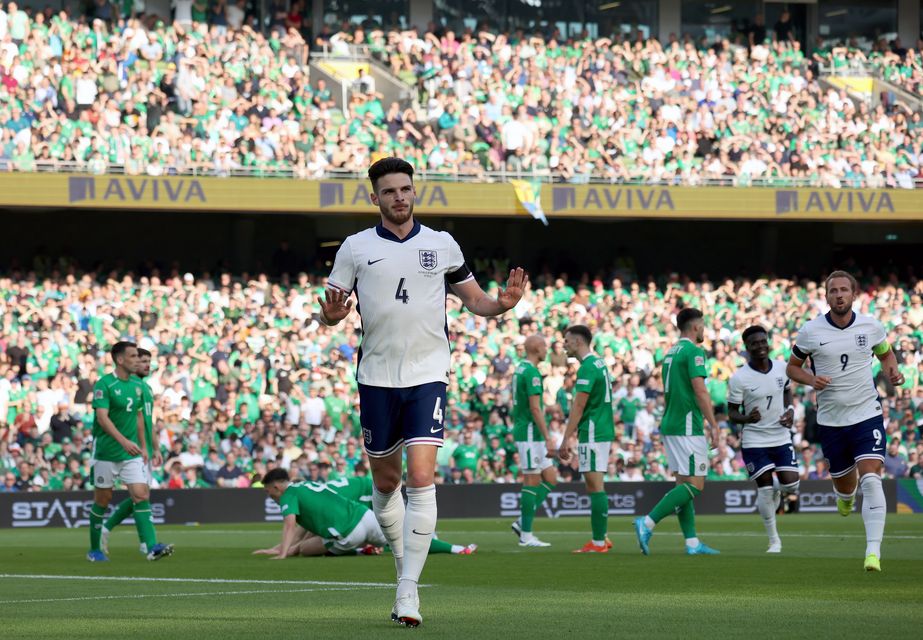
527	382
596	423
321	511
124	400
357	489
682	416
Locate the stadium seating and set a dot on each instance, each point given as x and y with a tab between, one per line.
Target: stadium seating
221	390
146	98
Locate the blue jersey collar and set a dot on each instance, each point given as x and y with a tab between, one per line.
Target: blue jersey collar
388	235
833	324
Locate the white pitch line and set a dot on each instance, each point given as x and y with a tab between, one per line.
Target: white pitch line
173	595
722	534
320	583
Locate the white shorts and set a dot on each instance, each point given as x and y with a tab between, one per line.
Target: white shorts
532	457
367	531
149	473
687	455
133	471
593	456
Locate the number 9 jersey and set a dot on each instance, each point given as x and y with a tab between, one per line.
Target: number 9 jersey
400	290
845	356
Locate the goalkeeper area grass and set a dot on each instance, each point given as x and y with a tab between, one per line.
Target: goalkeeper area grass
214	588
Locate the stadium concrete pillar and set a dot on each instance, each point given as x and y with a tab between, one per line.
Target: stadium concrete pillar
421	13
671	19
243	233
160	8
317	16
908	22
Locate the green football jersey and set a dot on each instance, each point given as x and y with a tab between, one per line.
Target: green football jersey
527	382
357	489
682	416
124	400
147	409
321	511
466	456
596	423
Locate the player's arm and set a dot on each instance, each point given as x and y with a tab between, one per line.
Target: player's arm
576	413
102	416
736	404
142	437
703	399
479	303
795	371
885	354
336	304
538	417
787	419
289	537
736	416
301	536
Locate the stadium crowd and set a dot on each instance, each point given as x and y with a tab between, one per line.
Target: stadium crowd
208	93
245	377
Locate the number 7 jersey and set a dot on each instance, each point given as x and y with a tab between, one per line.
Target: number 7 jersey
754	389
400	290
845	356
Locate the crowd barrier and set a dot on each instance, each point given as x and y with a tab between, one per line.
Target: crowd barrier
214	506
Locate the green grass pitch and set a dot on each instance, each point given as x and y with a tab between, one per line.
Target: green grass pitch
213	588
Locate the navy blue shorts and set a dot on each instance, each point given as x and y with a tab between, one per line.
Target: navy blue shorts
759	460
844	446
394	417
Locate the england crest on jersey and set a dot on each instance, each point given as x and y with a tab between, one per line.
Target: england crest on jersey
862	340
781	382
428	259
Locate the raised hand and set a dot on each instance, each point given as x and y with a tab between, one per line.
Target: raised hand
335	306
515	287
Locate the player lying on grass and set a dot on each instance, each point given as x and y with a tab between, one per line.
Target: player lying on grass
337	526
309	544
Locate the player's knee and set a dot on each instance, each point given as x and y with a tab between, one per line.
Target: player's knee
419	477
790	488
387	481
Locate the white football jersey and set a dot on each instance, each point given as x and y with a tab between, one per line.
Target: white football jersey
400	290
763	391
845	355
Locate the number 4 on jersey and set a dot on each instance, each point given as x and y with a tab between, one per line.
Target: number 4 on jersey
401	293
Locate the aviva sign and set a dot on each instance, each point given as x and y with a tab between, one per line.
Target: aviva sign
339	197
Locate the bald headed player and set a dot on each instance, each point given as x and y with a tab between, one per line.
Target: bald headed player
536	451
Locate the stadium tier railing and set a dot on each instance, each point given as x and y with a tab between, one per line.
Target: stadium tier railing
443	176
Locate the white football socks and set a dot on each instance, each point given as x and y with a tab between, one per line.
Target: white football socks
389	511
419	525
765	502
873	512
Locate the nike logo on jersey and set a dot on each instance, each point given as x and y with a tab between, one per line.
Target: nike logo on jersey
371	262
431	430
821	344
421	534
878	449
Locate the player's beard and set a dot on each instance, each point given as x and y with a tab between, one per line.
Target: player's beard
841	310
397	217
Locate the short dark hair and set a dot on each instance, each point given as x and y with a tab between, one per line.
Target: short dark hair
387	166
685	316
276	475
842	274
143	353
120	347
749	331
580	330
